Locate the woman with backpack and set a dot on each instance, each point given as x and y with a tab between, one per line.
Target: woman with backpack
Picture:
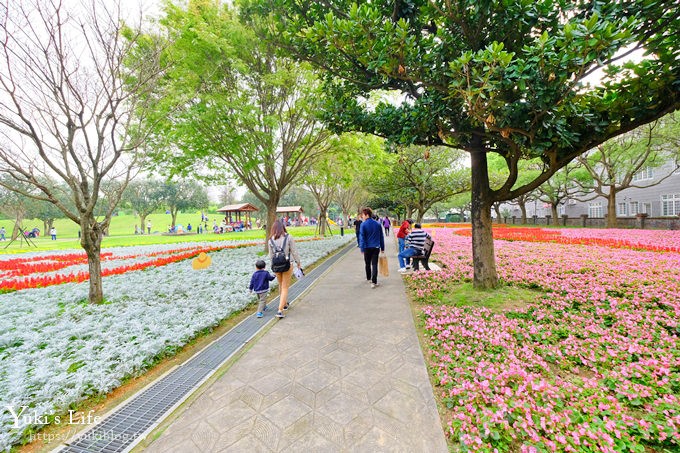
281	252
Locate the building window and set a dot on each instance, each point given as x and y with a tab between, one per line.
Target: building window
670	204
644	174
634	208
646	208
595	210
561	210
621	209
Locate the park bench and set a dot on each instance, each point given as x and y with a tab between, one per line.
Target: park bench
424	256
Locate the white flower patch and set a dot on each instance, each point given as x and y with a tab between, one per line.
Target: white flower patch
56	349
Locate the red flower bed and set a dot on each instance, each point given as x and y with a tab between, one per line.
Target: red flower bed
556	236
23	273
48	263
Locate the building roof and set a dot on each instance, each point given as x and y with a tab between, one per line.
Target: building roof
238	207
284	209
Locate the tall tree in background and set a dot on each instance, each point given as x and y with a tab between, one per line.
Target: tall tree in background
614	164
144	196
13	203
184	195
232	107
422	176
567	183
69	84
340	167
505	77
361	153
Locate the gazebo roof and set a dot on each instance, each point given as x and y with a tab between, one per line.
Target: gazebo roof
284	209
243	207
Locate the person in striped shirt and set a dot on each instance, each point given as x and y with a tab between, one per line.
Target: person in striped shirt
415	242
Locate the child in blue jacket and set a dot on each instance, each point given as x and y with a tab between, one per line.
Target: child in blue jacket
259	283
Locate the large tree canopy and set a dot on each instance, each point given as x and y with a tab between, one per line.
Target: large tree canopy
230	107
504	76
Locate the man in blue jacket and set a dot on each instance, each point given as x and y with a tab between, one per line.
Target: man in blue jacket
371	243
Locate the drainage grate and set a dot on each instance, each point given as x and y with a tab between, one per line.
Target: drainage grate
125	427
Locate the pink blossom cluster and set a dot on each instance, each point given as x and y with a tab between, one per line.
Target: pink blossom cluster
594	365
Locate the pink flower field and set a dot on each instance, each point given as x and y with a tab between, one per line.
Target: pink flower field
594	366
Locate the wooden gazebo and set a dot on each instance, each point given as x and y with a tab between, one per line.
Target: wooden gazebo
296	210
233	212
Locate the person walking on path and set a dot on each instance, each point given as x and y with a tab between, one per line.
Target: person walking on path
2	234
415	242
357	226
280	240
386	224
371	243
53	233
259	284
148	227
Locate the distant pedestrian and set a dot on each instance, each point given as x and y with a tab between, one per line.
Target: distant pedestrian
53	233
415	242
371	243
259	284
148	227
188	227
282	242
386	224
2	234
357	226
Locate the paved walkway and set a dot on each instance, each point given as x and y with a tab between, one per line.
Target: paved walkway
343	372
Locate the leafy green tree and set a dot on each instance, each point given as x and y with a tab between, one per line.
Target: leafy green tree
184	195
567	183
362	155
144	196
422	176
505	77
614	164
299	196
13	203
231	108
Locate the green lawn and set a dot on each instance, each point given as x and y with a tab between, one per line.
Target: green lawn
121	233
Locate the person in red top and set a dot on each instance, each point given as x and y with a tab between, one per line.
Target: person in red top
404	230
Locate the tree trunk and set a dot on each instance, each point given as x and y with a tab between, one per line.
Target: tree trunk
173	213
611	209
91	241
323	215
142	219
523	209
47	225
484	261
271	217
497	208
553	211
421	215
17	222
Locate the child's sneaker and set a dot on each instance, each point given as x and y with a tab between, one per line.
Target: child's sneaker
280	314
259	314
285	307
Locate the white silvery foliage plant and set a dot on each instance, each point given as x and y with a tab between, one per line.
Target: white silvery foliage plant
56	349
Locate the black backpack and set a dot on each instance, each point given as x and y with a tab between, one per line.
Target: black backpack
280	262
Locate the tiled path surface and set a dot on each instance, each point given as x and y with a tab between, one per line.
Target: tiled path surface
343	372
